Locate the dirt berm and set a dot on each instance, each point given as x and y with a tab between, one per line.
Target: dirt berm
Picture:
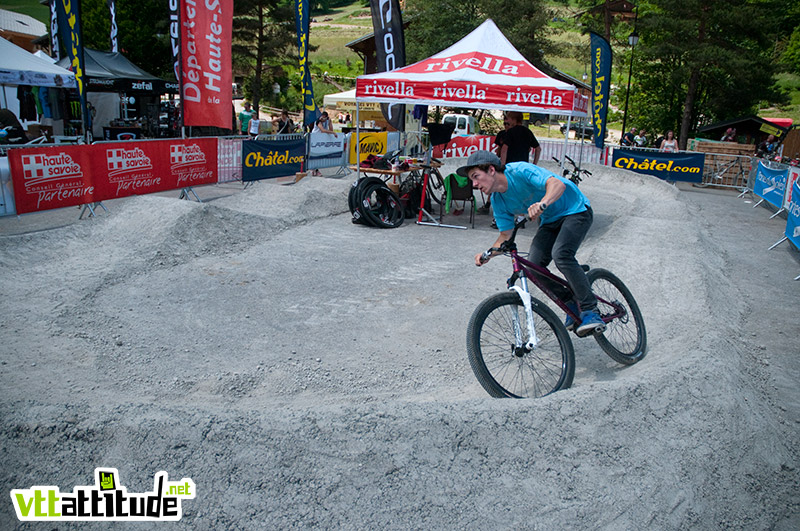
306	372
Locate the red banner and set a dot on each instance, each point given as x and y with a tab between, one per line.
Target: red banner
52	177
206	62
464	146
56	177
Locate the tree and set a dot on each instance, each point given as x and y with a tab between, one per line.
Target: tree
439	24
143	32
264	39
701	61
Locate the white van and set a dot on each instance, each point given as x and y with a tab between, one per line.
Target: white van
465	124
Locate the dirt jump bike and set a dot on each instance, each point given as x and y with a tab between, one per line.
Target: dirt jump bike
519	348
576	174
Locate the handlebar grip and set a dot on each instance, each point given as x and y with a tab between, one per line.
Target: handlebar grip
569	159
485	256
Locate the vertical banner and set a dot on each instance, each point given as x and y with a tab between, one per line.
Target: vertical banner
793	216
302	22
206	75
69	26
55	51
770	184
601	86
112	9
390	48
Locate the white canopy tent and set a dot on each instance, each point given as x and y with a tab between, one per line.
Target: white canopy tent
19	67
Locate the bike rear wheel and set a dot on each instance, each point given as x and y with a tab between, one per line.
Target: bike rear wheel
436	189
496	336
625	338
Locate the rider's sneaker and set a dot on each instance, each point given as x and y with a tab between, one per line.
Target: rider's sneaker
590	323
569	322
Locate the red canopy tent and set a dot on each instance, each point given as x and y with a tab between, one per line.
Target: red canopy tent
483	70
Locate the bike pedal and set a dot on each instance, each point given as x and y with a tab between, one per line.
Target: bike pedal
597	330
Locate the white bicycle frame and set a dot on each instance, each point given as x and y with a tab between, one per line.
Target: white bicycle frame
525	296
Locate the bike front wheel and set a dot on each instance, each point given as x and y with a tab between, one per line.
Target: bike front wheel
625	338
496	338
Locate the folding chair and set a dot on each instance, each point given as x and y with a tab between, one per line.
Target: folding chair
462	193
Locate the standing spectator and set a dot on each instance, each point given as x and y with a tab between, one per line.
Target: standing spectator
285	125
244	117
518	141
670	144
641	139
324	125
628	138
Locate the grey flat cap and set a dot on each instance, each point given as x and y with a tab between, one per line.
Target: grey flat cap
478	158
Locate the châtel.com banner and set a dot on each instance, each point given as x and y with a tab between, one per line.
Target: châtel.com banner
62	176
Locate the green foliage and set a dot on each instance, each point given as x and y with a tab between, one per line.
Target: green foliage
143	32
437	24
264	44
699	61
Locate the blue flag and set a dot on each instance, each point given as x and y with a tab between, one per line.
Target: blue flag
69	27
302	22
601	86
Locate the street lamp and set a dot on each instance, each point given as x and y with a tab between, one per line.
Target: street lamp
633	40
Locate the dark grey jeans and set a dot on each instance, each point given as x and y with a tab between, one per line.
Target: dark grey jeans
559	241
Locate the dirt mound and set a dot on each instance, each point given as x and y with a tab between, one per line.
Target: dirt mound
308	372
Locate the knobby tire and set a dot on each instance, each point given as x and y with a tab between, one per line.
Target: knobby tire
501	371
625	338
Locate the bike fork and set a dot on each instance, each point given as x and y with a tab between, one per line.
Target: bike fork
525	295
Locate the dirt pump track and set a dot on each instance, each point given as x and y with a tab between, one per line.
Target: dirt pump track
306	372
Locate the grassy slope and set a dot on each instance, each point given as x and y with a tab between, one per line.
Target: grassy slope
28	7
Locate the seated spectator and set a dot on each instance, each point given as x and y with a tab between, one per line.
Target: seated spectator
730	135
628	138
13	129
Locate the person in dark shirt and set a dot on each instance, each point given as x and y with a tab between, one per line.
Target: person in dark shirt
628	138
518	141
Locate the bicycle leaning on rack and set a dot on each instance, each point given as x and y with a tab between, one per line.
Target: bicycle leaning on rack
576	174
519	348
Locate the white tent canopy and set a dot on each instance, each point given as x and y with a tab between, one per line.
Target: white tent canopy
19	67
483	70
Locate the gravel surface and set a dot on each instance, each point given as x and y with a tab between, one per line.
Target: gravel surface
307	372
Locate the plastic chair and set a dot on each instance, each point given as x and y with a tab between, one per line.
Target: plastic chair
462	193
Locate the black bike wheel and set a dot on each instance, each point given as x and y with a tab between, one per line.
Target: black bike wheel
505	370
354	199
625	338
436	189
382	206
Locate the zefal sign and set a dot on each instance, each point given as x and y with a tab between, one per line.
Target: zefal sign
56	177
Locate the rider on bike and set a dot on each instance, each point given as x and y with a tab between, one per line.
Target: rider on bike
565	216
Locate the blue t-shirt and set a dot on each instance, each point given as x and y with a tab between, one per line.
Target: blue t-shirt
526	186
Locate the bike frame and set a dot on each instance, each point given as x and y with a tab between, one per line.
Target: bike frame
524	270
